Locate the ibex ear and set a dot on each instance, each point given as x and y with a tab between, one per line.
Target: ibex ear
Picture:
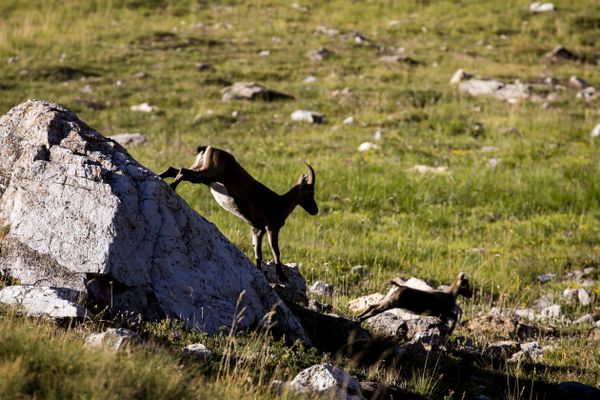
461	275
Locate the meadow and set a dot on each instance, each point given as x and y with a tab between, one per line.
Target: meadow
536	211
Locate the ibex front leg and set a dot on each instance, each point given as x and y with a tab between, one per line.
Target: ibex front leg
189	175
257	237
273	235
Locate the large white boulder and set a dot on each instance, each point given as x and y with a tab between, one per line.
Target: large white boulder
77	211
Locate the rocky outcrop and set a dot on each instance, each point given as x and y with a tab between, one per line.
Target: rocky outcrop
55	303
77	211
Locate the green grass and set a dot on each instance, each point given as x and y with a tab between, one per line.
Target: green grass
537	212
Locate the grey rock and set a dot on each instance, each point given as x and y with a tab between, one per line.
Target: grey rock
398	59
578	391
547	277
403	325
502	350
417	283
584	297
81	213
561	52
251	91
198	350
531	351
327	381
494	88
576	82
459	76
307	116
294	290
539	7
319	54
51	302
585	319
595	132
129	139
360	304
552	312
525	313
113	339
322	289
324	30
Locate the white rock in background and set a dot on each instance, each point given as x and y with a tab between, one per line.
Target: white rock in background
547	277
348	120
264	53
539	7
52	302
417	283
326	30
489	149
584	297
531	351
322	289
113	339
325	380
378	135
426	169
307	116
494	162
310	79
143	107
585	319
198	350
91	218
129	139
595	132
459	76
552	312
360	304
368	146
525	313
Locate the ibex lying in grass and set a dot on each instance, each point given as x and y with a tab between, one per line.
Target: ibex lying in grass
239	193
438	303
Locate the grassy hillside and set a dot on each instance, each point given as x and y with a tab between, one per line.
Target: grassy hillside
537	211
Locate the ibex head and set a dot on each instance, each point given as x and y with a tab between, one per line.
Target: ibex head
462	284
306	192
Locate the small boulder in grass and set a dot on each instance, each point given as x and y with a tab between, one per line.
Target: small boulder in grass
326	381
198	350
311	117
113	339
129	139
539	7
322	289
368	147
595	132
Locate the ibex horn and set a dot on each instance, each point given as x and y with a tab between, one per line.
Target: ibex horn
311	174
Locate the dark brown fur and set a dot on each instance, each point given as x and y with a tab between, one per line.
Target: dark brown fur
265	210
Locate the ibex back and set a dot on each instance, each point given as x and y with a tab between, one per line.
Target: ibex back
239	193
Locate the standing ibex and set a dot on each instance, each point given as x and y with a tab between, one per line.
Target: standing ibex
239	193
438	303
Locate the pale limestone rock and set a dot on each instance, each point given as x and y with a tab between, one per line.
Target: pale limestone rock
81	213
113	339
51	302
360	304
311	117
326	381
129	139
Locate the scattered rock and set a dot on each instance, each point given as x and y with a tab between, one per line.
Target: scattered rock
204	66
415	283
494	88
561	52
539	7
299	7
547	277
358	270
199	351
584	297
319	54
322	289
595	132
325	380
294	290
310	79
83	214
345	92
251	91
578	391
552	312
324	30
426	169
530	352
348	120
360	304
576	82
143	107
501	351
399	59
489	149
525	313
494	162
378	135
368	146
403	325
308	116
113	339
587	94
459	76
585	319
129	139
39	301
